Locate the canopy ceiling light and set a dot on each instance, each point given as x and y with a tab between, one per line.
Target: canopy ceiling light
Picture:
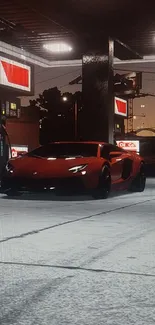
57	47
26	56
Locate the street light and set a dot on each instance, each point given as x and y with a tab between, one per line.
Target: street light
57	47
140	115
64	98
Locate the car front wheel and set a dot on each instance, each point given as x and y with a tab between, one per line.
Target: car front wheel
104	185
12	193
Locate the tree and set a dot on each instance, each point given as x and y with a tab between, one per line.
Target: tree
56	114
48	102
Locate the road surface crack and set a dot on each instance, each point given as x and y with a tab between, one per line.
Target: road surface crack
37	231
77	268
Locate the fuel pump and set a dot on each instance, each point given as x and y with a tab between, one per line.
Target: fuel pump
4	139
2	147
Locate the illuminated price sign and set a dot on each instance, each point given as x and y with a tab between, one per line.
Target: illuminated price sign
132	145
12	109
16	151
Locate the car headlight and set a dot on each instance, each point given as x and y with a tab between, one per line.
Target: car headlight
9	168
77	169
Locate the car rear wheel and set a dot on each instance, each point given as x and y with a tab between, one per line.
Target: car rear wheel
104	185
138	184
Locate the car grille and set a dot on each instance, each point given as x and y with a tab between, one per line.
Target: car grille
39	184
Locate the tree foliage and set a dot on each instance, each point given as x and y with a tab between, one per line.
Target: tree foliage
56	114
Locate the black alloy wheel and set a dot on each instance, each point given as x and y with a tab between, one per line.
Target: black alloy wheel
138	184
12	193
104	185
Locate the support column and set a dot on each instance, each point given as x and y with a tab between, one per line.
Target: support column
2	141
97	118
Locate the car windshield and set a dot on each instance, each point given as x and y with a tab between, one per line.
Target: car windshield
64	150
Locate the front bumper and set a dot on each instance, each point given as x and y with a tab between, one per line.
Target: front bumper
21	184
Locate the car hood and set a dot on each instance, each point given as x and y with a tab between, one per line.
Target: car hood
48	167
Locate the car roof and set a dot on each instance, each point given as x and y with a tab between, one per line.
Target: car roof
79	142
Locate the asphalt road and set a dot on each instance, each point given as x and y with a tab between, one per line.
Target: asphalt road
78	261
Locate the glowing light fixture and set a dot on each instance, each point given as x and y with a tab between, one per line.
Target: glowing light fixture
57	47
77	169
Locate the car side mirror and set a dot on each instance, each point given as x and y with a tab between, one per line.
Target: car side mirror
21	154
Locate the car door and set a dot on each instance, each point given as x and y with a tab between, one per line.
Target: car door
122	163
117	156
116	159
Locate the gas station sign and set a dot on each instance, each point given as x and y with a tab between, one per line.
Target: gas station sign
129	145
121	107
18	150
15	75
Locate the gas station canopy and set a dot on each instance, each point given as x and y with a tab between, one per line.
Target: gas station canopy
27	29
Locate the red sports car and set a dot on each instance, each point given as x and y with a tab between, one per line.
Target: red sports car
94	167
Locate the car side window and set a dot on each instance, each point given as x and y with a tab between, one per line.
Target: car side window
105	151
115	148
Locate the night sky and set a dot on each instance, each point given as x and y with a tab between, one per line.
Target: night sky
60	77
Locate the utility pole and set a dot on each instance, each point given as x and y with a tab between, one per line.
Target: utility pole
76	119
130	116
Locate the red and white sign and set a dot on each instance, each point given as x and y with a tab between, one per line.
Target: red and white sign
16	151
130	145
121	107
14	74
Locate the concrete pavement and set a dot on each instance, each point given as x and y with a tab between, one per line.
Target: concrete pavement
78	262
